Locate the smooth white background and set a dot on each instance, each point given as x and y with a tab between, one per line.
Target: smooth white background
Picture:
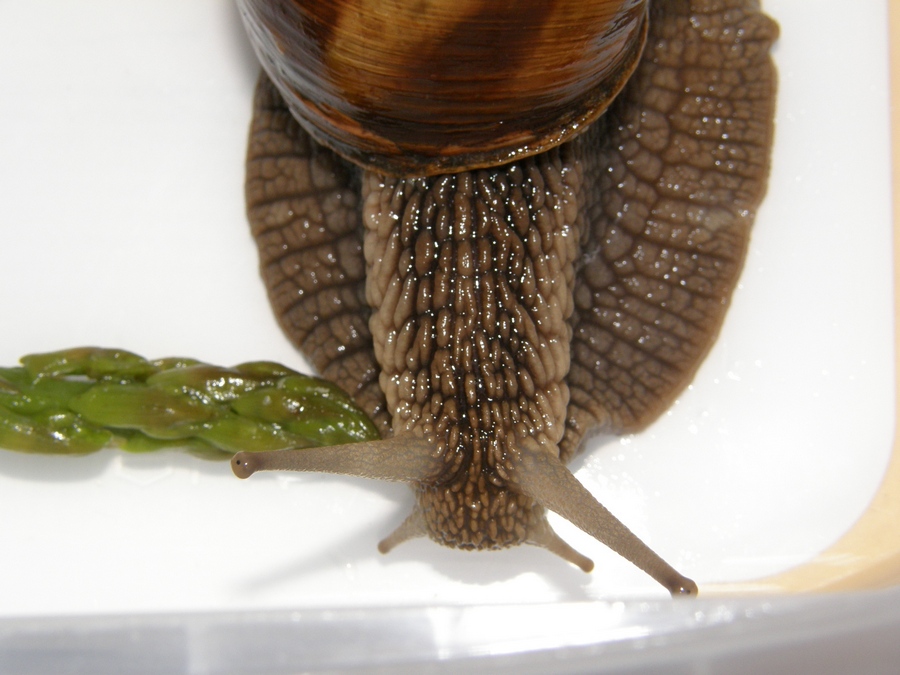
122	131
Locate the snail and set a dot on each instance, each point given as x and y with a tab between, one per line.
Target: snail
501	227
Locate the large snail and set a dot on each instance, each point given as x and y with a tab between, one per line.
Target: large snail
500	227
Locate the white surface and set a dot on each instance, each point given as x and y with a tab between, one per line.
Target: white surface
122	130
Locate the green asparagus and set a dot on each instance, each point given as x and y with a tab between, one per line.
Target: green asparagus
80	400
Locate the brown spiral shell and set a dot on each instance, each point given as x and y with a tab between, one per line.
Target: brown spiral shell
437	86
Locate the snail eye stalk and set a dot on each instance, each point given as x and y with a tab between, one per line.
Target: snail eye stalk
407	458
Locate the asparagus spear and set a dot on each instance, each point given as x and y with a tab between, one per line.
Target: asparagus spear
80	400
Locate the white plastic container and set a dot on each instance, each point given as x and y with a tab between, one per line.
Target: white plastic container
122	132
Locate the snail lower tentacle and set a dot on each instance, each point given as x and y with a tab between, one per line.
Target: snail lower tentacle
504	312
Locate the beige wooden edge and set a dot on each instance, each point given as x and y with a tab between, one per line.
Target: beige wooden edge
868	556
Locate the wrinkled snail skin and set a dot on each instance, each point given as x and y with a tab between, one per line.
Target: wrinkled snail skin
489	319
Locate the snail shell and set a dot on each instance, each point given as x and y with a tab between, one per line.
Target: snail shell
421	88
489	313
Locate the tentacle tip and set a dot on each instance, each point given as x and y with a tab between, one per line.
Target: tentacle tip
683	587
244	464
384	546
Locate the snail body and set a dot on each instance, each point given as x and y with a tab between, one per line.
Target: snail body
491	299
